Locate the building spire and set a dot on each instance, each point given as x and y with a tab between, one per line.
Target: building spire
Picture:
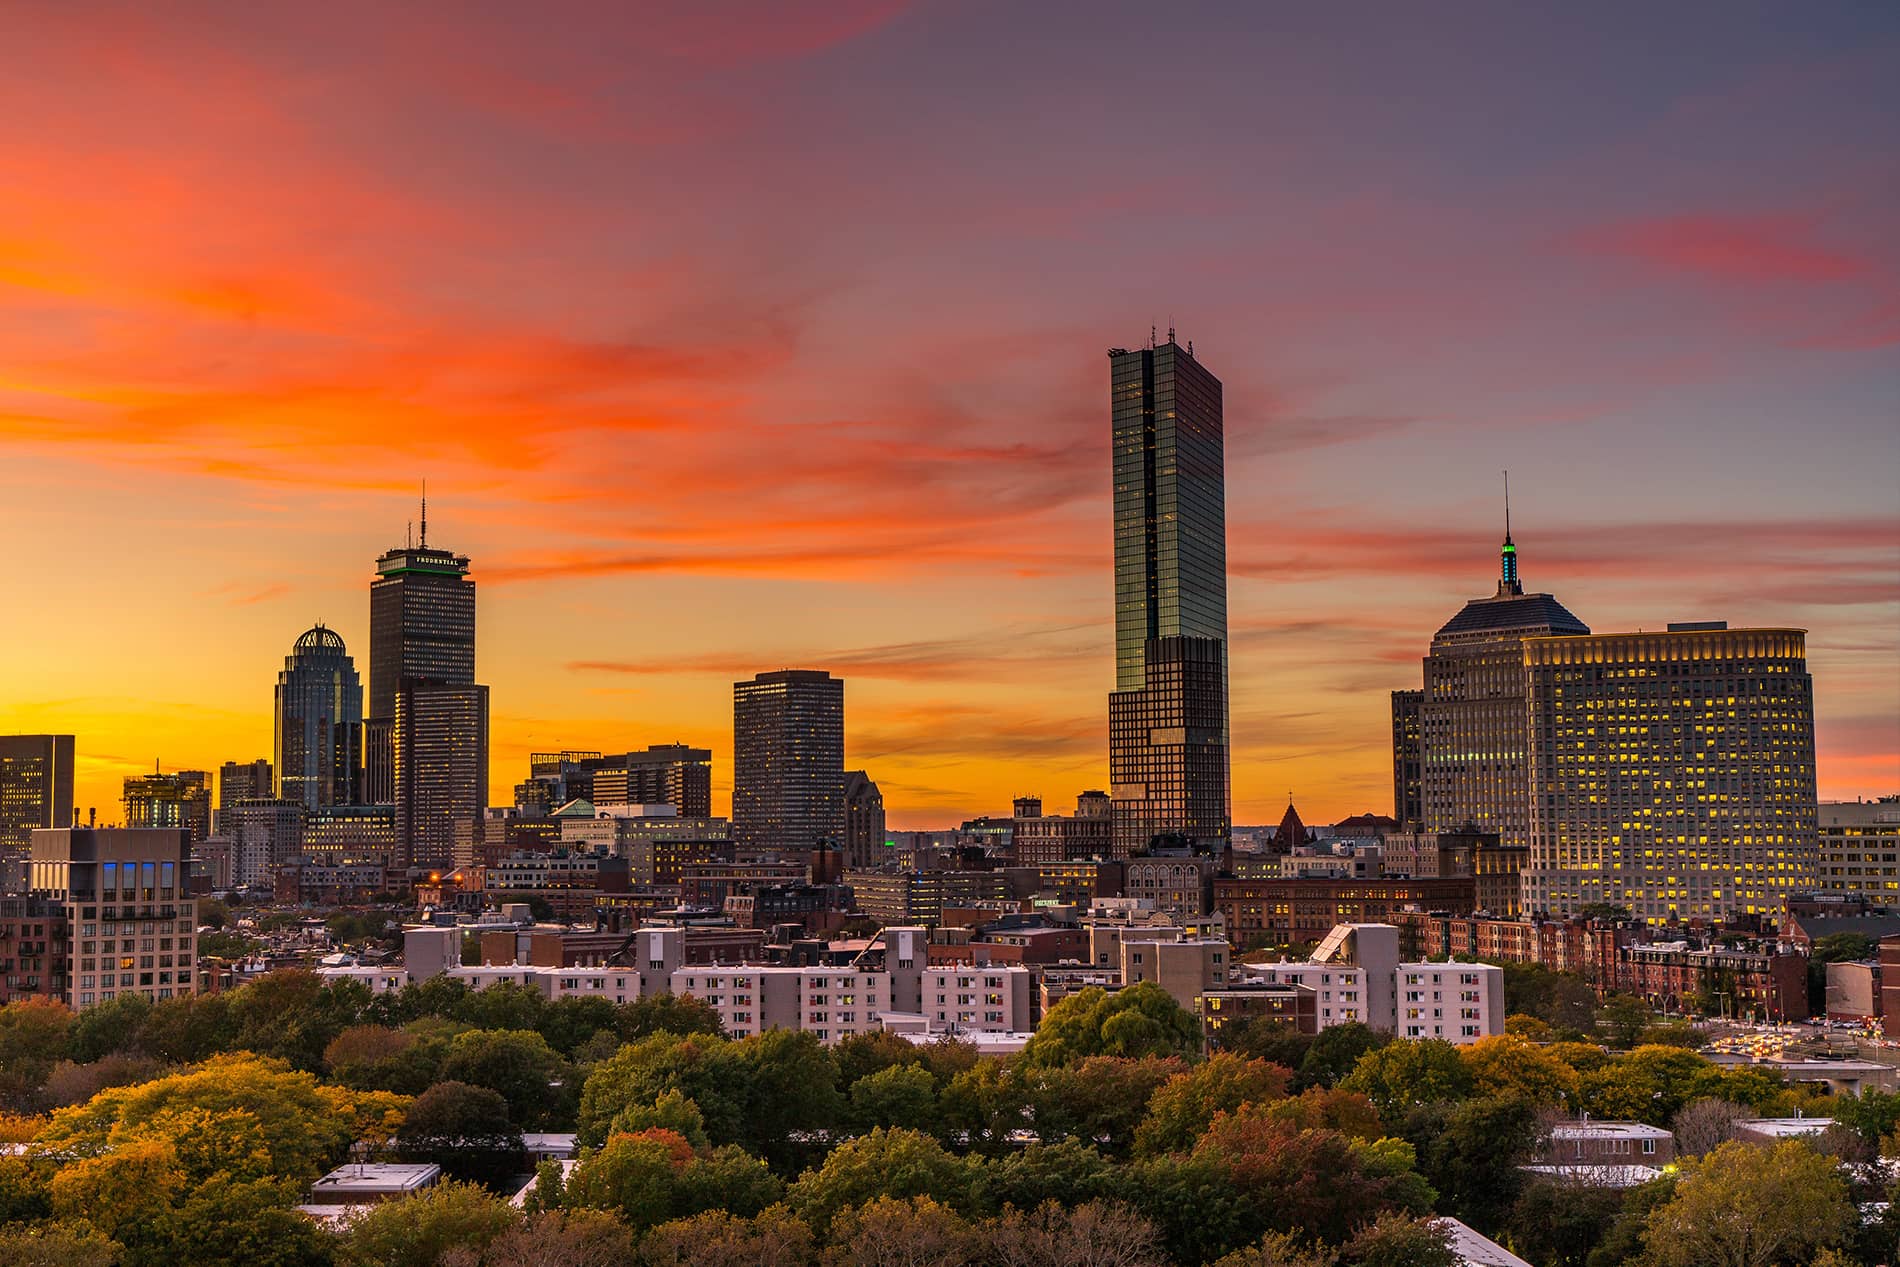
425	516
1508	582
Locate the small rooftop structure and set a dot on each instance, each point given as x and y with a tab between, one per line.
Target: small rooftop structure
1779	1128
365	1183
1605	1175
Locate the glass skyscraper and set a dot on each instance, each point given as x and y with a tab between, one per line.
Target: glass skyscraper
319	726
1170	599
36	790
787	762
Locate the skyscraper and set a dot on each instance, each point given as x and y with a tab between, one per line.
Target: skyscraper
421	629
170	801
1473	741
787	761
1167	758
319	725
441	735
1670	773
36	790
863	822
243	781
1408	777
1170	597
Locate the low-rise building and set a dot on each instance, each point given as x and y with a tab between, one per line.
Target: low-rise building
1040	837
1860	850
1609	1143
1357	974
1294	1006
1285	911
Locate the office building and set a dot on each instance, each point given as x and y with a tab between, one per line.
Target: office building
351	833
1475	768
663	774
264	832
787	762
170	800
441	774
1357	974
1860	850
1408	758
132	921
421	629
1043	838
1168	750
36	790
243	781
318	744
1497	869
1671	773
864	840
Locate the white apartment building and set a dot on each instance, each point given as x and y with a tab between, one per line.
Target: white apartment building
1356	975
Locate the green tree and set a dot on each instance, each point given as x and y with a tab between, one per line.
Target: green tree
718	1239
505	1005
1471	1152
518	1064
902	1096
1506	1064
1652	1084
417	1231
1100	1100
1559	1224
1262	1038
1138	1020
466	1130
1397	1240
111	1026
655	1176
292	1014
1194	1202
407	1061
75	1244
883	1163
1403	1075
1278	1249
1335	1052
34	1036
672	1111
790	1093
188	1028
1749	1206
1068	1173
1562	1000
252	1221
984	1105
667	1014
1180	1111
1622	1019
861	1055
571	1020
706	1069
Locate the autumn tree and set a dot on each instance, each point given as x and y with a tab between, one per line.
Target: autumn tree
1138	1020
420	1229
1750	1206
1279	1249
719	1239
896	1232
1704	1125
1397	1240
1400	1076
1506	1064
1099	1100
34	1034
898	1164
1179	1112
1096	1233
559	1238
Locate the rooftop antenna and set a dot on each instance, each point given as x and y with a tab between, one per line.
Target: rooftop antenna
1151	336
1171	327
424	543
1508	582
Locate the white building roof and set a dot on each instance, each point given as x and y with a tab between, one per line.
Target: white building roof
360	1180
1599	1176
1476	1250
1785	1127
1608	1130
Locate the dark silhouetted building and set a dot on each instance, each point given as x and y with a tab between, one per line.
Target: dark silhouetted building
441	735
243	781
1168	760
863	822
421	629
36	790
1041	837
170	801
319	725
663	774
1167	753
1408	758
787	761
1474	744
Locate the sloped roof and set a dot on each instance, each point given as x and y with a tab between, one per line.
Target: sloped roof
1514	613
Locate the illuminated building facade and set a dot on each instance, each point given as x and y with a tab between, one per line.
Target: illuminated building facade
1170	524
787	761
421	629
1474	759
1041	837
243	781
1671	773
129	913
441	775
170	800
36	790
318	735
1860	850
1167	749
663	774
1408	758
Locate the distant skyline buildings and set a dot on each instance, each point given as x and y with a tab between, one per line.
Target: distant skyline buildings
787	761
421	629
1168	715
181	799
36	790
318	723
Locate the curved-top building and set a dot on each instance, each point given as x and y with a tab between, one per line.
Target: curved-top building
319	730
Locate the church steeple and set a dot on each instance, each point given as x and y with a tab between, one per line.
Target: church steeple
1508	582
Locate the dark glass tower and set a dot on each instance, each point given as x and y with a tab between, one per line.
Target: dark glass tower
319	733
36	790
1170	598
421	629
787	761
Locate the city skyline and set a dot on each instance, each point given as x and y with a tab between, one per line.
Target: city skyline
687	439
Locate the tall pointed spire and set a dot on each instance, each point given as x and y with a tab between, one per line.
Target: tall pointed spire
1508	582
425	516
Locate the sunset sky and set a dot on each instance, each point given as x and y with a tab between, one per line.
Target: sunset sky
731	338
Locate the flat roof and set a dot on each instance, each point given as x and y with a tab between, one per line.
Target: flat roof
1608	1130
1600	1176
1475	1249
360	1179
1785	1127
